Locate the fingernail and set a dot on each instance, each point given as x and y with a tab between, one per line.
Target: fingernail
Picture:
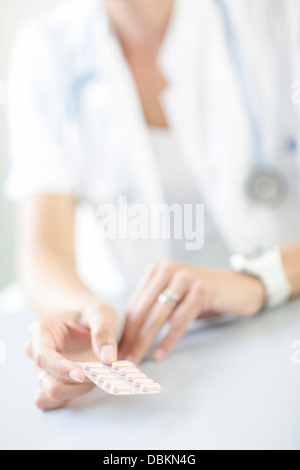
107	354
74	375
159	354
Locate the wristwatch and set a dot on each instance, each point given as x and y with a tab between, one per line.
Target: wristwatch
266	264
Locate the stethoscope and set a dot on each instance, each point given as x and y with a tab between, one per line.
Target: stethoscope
265	184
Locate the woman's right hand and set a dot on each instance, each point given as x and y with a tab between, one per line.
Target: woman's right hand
57	342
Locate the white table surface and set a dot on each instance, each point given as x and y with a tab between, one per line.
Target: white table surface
230	386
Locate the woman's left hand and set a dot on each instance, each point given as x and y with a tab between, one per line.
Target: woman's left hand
201	292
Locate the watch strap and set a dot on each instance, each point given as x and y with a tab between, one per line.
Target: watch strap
268	267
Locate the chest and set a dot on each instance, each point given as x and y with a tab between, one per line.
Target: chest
150	83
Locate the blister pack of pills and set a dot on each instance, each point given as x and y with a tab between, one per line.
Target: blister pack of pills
121	378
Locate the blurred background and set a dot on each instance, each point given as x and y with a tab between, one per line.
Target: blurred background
13	13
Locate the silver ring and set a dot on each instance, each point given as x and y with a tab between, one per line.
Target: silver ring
42	375
169	298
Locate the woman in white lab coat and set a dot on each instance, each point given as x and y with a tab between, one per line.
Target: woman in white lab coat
159	101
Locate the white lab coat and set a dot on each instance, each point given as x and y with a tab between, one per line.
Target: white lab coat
77	125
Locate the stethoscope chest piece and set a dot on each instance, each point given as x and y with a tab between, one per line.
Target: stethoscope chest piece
266	186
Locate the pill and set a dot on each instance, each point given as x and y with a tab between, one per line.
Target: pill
132	377
126	371
119	364
110	382
153	387
121	389
95	372
103	377
93	365
141	381
106	372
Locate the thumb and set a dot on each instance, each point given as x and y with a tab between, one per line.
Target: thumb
103	322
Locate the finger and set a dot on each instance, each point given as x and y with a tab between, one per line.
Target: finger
43	402
28	349
40	372
192	306
60	392
160	313
48	359
148	276
104	323
145	301
209	316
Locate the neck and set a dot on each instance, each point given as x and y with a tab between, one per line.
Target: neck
140	21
